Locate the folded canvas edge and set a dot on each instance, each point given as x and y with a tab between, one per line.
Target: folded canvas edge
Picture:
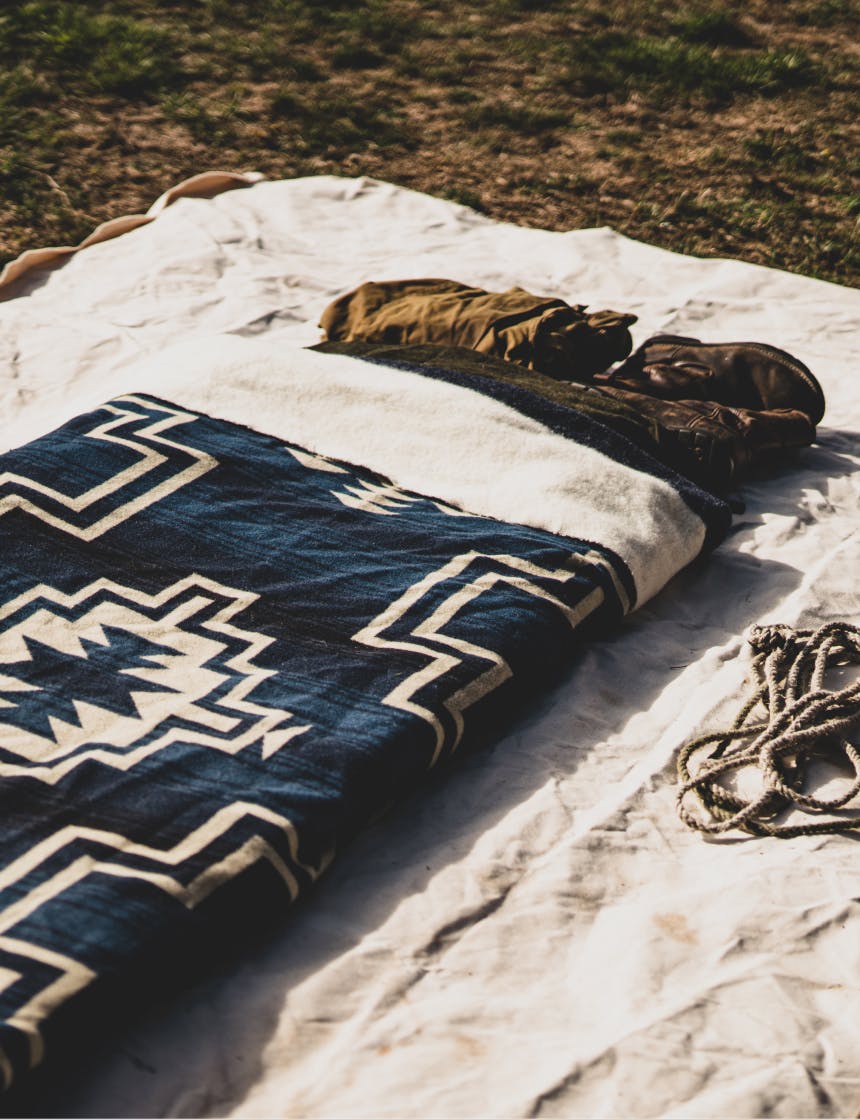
206	184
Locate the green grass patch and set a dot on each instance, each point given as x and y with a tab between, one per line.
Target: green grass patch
619	62
754	219
773	148
211	120
464	196
357	56
528	119
88	51
374	24
333	121
714	27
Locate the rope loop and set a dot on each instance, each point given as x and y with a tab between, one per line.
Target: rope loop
790	720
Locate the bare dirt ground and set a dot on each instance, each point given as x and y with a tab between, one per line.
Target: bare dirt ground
710	129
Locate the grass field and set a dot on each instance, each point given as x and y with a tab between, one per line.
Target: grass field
710	128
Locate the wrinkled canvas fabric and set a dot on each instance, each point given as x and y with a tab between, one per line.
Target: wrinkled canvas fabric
548	884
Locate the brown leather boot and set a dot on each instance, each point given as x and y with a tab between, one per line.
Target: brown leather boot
746	375
714	444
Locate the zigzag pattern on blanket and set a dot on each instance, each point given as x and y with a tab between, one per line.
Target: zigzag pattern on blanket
214	668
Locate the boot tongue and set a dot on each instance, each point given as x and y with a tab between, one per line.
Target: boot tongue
678	380
663	379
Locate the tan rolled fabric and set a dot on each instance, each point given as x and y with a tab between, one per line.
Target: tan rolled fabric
538	332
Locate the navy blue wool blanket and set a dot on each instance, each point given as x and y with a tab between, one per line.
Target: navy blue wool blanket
234	628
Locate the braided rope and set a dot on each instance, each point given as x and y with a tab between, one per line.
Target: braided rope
798	719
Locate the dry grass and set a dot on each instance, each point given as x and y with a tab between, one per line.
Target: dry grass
708	128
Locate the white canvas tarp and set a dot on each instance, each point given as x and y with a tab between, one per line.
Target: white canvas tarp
537	933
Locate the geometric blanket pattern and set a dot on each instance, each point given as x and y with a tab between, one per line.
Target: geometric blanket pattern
221	655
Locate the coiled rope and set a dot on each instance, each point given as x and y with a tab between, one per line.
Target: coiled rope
790	720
